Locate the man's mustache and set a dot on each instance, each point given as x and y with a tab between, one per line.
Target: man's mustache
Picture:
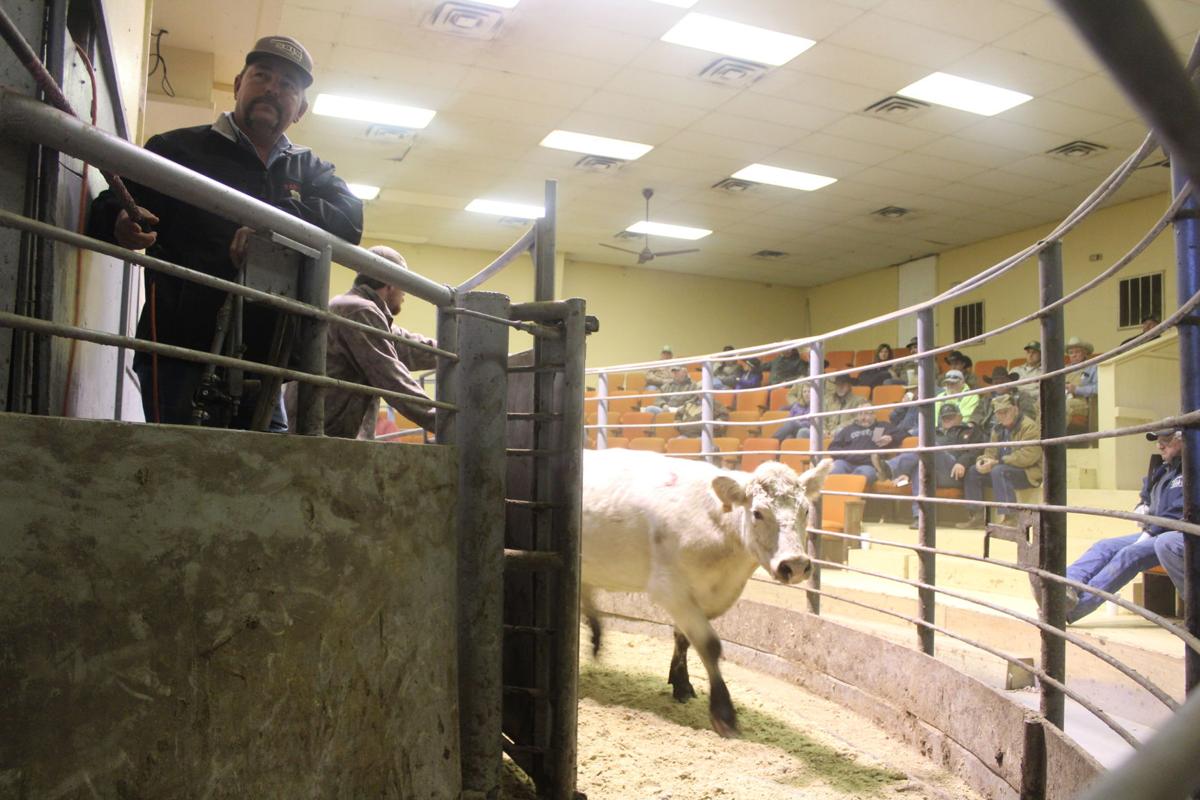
268	102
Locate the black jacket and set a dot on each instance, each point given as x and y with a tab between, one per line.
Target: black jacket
297	182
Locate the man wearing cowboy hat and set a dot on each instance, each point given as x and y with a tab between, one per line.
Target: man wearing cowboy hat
1081	384
248	150
957	359
1109	564
1007	464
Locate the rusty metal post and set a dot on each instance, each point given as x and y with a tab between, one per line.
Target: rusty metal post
480	388
543	246
927	478
816	441
1187	253
1052	543
312	343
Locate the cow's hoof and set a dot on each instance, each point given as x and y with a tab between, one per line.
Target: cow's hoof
682	692
728	729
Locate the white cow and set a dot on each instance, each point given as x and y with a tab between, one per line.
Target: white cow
689	535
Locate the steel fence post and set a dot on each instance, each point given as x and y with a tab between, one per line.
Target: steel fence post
927	478
816	441
312	343
1052	541
706	410
602	411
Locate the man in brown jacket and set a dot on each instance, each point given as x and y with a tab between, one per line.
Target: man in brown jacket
359	357
1007	464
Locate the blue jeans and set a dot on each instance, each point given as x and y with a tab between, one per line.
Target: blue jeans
793	428
1005	481
1168	546
177	384
907	464
1109	564
843	467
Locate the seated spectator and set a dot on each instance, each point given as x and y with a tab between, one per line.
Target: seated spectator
726	374
863	433
879	376
1081	384
1006	464
788	366
949	466
842	398
1109	564
752	374
682	396
912	345
962	362
657	377
1031	367
1030	406
797	406
973	410
1149	321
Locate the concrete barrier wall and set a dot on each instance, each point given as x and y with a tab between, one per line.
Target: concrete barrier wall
200	613
953	719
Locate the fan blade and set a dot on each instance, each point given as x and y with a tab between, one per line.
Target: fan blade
676	252
622	249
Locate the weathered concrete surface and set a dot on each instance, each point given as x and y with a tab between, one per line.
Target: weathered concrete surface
200	613
955	720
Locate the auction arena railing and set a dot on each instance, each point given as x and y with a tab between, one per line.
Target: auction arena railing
1041	526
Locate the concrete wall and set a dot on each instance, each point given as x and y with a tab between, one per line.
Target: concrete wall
192	612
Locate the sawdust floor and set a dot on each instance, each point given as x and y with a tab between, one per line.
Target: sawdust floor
637	743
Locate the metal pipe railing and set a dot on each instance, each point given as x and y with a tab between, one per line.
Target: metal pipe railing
25	118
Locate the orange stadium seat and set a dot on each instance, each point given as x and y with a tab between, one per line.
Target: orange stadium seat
886	394
618	404
754	400
862	391
617	441
1013	363
650	443
834	508
771	430
664	433
635	381
751	460
839	359
633	422
779	400
683	444
741	432
794	453
864	357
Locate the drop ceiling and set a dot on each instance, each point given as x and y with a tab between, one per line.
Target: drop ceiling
599	67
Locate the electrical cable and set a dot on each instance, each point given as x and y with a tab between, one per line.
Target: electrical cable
159	61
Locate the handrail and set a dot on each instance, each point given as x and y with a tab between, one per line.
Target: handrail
27	119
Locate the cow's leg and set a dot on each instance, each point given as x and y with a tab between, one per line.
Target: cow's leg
691	620
588	606
681	684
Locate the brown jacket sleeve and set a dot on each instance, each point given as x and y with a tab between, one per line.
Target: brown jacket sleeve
1028	456
383	368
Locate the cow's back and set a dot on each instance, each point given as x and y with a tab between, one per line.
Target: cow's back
636	502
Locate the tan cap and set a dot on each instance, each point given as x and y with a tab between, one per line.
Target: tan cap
1001	401
287	49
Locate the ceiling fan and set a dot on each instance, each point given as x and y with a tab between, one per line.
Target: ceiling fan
646	254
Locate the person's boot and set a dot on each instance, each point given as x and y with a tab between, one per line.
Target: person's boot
881	468
974	521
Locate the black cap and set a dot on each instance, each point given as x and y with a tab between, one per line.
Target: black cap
1166	433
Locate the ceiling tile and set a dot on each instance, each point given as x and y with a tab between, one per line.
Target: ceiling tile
978	20
824	92
860	67
1095	93
1006	134
978	153
902	41
1009	182
751	130
1017	71
524	87
926	164
695	141
779	111
1051	115
848	150
539	63
1051	38
673	89
877	131
813	19
632	130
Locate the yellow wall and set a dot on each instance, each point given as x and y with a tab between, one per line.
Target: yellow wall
639	310
850	300
1093	317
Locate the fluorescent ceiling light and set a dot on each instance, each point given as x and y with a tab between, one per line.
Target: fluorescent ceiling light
501	208
332	105
498	3
735	39
778	176
362	191
678	3
673	231
964	94
596	145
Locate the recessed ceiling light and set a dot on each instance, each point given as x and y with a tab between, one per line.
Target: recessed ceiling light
332	105
677	3
596	145
672	231
501	208
778	176
735	39
363	191
964	94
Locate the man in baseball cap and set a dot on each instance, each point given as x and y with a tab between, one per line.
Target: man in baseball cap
248	150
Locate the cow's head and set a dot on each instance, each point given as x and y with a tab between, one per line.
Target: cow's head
776	504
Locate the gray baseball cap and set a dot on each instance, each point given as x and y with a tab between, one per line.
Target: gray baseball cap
287	49
1167	433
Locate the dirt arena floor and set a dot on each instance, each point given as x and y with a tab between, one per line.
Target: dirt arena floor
637	743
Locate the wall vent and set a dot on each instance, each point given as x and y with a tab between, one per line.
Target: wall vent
514	222
398	140
891	212
733	185
628	235
1076	150
733	72
600	164
896	108
460	18
770	255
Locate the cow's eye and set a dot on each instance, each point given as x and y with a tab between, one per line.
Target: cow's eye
758	515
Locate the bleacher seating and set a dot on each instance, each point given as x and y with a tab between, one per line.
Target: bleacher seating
778	401
634	381
862	391
742	431
751	460
886	394
665	433
839	359
651	443
767	416
794	453
632	422
683	445
863	358
984	368
755	400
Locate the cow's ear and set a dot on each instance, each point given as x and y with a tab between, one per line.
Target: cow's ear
729	492
814	479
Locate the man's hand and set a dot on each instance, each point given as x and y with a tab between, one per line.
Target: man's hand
237	248
985	465
884	440
130	235
1071	389
958	471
